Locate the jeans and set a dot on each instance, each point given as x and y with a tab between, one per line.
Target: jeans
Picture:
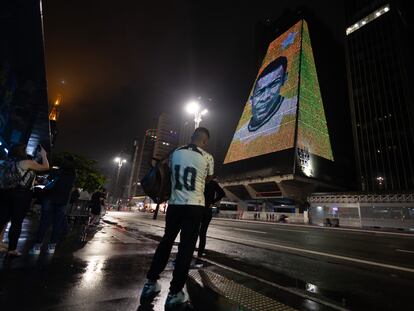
184	218
51	213
14	205
205	221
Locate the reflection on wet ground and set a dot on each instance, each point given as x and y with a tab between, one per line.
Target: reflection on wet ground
106	271
348	286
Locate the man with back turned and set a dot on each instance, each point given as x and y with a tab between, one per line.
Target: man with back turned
190	168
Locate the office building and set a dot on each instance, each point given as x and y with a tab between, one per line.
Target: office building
379	65
167	136
145	155
23	90
186	130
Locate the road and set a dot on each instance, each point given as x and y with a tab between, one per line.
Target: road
353	269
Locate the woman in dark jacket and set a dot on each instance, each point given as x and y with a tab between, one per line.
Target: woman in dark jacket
54	204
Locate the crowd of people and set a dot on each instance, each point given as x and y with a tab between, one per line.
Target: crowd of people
18	178
193	192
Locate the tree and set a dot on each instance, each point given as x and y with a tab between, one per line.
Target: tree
88	176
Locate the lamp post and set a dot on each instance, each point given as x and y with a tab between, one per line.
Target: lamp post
194	108
120	161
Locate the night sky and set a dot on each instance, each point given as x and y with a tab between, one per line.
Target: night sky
125	62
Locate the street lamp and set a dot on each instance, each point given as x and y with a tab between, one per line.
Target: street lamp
193	107
120	161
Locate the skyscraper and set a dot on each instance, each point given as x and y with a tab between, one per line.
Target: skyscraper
379	67
145	155
23	88
186	130
167	136
157	143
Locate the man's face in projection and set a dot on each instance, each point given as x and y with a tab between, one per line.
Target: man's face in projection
266	95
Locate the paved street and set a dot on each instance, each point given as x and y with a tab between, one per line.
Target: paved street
356	270
304	267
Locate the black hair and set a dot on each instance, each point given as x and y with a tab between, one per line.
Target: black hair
68	164
280	61
18	152
201	130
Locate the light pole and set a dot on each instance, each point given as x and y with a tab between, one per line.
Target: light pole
131	175
194	108
120	161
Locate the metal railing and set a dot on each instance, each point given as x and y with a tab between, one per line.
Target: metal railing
261	216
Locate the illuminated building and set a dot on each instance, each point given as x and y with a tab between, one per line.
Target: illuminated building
53	118
23	89
291	136
54	111
380	76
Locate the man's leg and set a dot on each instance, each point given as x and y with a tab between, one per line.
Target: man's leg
162	254
21	200
190	227
97	218
45	220
5	211
58	222
207	215
92	220
2	230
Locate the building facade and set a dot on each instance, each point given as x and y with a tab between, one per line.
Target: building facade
167	136
186	130
380	86
394	211
23	90
145	155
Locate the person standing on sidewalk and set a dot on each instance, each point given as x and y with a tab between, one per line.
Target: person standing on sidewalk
97	203
191	167
16	201
55	203
213	193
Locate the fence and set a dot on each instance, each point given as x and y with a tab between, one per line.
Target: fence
80	209
261	216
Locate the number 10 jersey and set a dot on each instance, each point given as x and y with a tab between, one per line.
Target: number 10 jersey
189	165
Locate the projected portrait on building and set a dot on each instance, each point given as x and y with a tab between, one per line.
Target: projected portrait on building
285	102
268	120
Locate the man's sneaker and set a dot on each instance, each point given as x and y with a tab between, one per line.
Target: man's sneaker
35	250
3	247
150	290
51	248
196	264
14	253
175	300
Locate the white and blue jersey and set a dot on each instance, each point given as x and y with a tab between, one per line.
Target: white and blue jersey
190	165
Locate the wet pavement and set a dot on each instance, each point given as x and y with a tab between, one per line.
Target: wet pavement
364	270
105	272
104	269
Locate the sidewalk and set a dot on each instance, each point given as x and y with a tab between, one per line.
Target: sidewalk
107	272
